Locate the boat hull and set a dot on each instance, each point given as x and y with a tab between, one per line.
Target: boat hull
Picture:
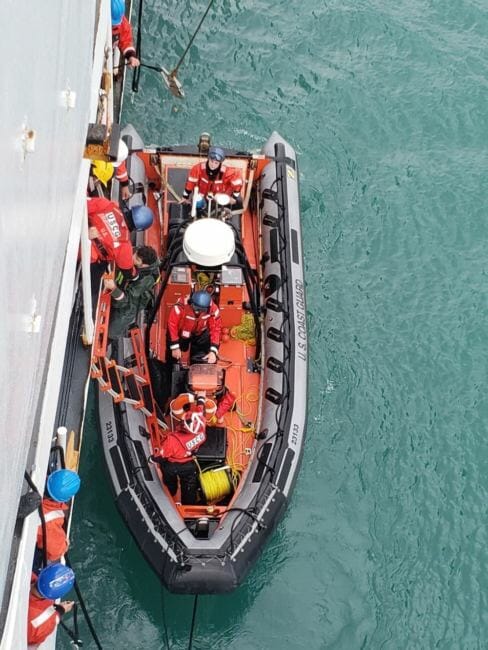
219	562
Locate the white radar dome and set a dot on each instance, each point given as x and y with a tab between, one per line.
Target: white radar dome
209	242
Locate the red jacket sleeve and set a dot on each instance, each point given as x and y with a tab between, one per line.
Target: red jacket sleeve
225	404
42	619
192	180
173	326
123	257
233	181
125	38
214	327
121	173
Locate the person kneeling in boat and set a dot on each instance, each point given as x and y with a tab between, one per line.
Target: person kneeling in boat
212	177
110	236
53	582
136	295
176	454
61	486
195	323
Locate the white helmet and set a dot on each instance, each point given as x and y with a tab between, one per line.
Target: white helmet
122	154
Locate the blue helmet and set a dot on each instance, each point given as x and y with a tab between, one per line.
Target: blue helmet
216	153
142	217
201	300
118	11
63	484
55	581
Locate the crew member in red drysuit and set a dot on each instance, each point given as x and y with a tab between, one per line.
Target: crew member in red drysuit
110	236
212	177
195	320
176	454
122	34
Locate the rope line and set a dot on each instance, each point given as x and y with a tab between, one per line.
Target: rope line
193	620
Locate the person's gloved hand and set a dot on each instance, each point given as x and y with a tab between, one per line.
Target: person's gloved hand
211	357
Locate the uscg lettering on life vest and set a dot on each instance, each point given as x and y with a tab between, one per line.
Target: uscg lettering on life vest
112	224
191	444
301	320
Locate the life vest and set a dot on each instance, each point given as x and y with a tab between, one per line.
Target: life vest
42	619
123	39
179	446
184	323
113	243
227	181
56	539
186	403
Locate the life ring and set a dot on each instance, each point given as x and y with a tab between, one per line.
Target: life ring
186	402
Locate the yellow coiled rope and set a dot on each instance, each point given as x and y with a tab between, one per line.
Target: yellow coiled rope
215	483
245	331
241	437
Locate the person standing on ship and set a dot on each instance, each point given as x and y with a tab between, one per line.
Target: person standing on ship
110	236
122	34
176	454
212	177
43	616
61	486
194	322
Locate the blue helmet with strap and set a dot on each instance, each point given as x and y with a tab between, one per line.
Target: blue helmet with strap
216	153
200	300
118	11
142	217
62	485
55	581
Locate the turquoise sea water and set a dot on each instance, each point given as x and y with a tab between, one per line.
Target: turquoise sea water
385	543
